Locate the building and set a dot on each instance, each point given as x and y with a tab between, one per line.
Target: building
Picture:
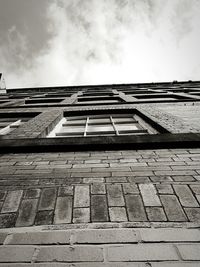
81	158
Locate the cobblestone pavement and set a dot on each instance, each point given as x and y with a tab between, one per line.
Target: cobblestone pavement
101	248
113	186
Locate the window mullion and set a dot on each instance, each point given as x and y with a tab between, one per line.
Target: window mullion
86	126
113	124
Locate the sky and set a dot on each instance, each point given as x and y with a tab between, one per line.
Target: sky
78	42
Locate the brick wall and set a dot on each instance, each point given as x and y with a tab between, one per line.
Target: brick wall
142	187
175	118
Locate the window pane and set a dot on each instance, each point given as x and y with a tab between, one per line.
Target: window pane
100	128
123	120
128	127
76	118
101	121
73	129
75	122
101	134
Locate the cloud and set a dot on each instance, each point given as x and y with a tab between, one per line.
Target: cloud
115	41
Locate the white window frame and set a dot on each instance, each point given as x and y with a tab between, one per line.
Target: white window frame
58	131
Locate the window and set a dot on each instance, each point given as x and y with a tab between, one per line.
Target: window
9	124
99	125
98	100
11	121
43	100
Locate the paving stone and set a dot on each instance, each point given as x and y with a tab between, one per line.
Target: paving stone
173	208
128	160
93	180
183	178
105	236
193	214
2	195
27	212
79	171
170	235
70	254
185	196
98	189
118	214
189	252
16	254
164	189
149	195
156	214
63	210
116	180
161	178
40	238
135	208
12	201
141	179
142	252
81	215
173	173
70	181
82	196
32	193
93	165
130	189
195	189
90	174
135	173
99	208
115	195
7	220
47	199
44	217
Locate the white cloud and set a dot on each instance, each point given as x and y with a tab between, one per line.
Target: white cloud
115	41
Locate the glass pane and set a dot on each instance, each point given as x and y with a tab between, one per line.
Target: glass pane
123	120
100	134
100	128
76	118
75	122
73	129
127	127
122	116
99	120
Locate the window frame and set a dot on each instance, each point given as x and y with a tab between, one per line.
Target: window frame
146	124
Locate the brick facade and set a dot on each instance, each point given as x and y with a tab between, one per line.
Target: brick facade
66	202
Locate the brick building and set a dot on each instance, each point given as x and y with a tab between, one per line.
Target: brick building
100	175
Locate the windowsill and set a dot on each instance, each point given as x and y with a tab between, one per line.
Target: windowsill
100	143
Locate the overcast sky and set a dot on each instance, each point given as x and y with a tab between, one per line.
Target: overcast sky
73	42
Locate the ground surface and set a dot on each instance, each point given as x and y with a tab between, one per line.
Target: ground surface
109	208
